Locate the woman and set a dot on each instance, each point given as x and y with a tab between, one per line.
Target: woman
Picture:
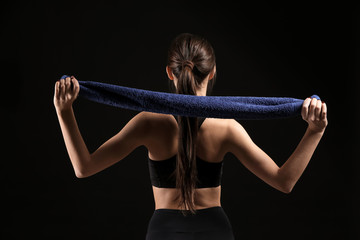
185	154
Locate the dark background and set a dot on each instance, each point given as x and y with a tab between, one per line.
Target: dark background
262	50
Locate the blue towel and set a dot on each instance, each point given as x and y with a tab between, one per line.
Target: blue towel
234	107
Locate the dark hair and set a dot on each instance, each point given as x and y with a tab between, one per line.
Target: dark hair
191	58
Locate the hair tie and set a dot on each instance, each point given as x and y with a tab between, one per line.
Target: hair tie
188	64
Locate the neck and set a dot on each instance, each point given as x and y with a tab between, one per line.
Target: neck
202	90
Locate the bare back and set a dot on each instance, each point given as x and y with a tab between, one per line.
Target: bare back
210	147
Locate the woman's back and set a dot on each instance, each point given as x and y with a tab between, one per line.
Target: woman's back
211	148
199	151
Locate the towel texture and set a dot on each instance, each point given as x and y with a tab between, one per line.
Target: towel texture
236	107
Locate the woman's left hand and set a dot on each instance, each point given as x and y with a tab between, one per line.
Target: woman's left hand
314	112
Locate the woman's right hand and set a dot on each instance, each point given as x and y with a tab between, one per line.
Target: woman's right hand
66	91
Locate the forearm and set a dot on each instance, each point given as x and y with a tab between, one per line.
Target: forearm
292	169
75	145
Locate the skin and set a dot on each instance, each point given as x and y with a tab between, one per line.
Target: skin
159	134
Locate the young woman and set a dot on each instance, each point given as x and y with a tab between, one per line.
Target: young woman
185	154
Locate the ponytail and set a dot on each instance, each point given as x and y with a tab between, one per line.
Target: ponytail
186	171
191	58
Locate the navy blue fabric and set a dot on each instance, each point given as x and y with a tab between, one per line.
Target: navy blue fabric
235	107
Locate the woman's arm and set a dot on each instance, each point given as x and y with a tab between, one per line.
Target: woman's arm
112	151
257	161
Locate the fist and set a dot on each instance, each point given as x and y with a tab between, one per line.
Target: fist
314	112
66	91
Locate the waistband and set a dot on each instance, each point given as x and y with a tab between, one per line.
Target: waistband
204	220
199	211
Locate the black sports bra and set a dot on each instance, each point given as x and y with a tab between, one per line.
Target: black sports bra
162	173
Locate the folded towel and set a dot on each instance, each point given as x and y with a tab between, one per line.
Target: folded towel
234	107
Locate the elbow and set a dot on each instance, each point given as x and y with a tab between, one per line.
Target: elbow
81	173
286	187
83	168
285	183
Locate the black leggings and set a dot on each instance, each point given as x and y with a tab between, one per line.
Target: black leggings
209	223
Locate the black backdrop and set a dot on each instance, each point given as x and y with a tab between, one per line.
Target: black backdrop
262	50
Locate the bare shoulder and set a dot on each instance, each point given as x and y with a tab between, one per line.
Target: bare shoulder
224	132
234	127
212	139
152	124
236	136
158	124
221	126
157	119
161	134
